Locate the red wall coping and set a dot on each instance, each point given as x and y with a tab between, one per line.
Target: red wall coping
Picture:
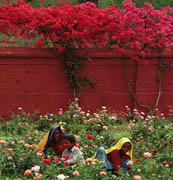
51	52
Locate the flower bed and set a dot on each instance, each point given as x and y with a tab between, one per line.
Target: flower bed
151	136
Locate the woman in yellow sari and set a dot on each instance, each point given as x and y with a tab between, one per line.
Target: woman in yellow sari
53	139
117	156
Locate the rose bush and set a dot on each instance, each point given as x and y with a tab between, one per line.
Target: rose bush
152	156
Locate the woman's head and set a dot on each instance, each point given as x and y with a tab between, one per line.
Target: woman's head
69	141
126	147
56	133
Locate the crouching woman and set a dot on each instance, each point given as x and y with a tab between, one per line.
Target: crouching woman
117	157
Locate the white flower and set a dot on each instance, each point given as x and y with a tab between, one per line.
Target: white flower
35	168
61	177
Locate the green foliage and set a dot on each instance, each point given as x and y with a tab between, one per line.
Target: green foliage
157	4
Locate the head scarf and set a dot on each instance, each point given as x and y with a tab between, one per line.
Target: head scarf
119	145
45	142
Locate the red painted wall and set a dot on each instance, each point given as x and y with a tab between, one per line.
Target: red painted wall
34	79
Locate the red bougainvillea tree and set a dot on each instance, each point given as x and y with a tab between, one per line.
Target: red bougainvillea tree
130	31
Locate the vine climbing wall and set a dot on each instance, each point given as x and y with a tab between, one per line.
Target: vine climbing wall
34	79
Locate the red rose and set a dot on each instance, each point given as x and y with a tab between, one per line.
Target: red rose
89	137
137	160
57	160
113	140
164	163
46	161
66	158
66	164
171	141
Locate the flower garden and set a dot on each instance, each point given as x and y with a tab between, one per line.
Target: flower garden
151	135
129	31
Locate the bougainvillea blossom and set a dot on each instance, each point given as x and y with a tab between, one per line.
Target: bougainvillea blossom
132	31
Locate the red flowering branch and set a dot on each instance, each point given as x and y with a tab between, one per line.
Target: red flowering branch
130	31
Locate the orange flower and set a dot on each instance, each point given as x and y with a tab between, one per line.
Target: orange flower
10	149
27	172
89	160
76	173
102	173
10	158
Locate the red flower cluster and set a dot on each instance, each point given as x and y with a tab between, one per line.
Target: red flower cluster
165	163
132	31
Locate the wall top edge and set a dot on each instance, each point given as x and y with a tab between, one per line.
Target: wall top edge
51	52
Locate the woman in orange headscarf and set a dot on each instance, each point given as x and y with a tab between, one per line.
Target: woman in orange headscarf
117	156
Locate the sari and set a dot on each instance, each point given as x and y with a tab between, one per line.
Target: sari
44	144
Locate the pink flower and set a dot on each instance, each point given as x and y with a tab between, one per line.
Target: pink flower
147	154
149	129
57	160
137	177
130	163
10	158
105	127
76	173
